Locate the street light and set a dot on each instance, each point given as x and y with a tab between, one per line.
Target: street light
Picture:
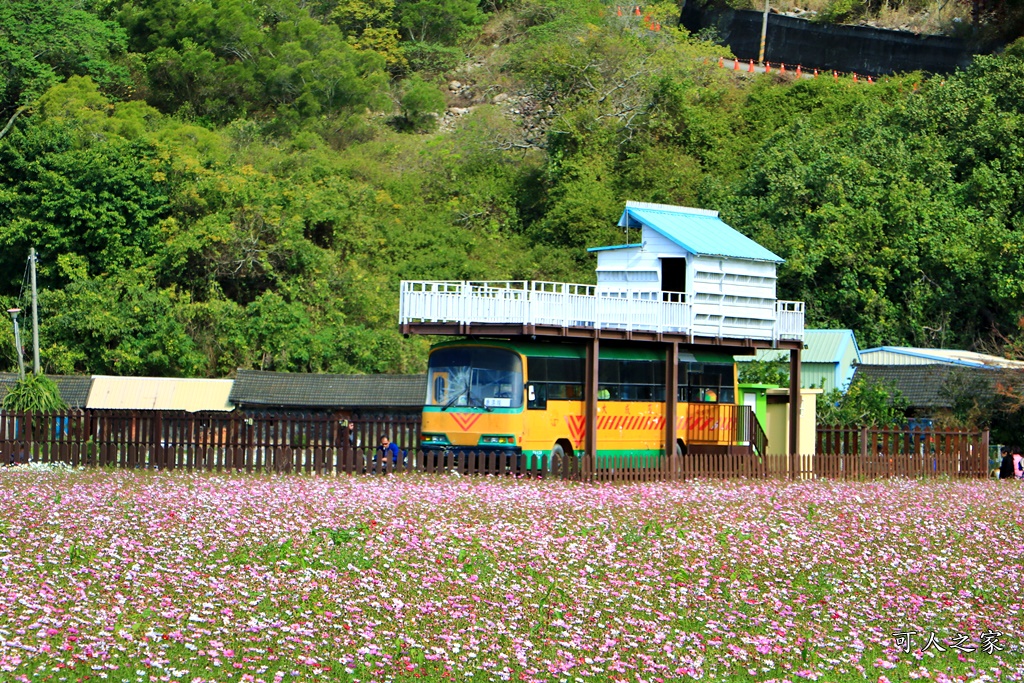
17	341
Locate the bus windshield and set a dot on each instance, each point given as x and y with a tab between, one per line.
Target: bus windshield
475	377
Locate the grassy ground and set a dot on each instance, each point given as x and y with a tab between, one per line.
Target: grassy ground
174	577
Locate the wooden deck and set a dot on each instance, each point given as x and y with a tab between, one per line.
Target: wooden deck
520	308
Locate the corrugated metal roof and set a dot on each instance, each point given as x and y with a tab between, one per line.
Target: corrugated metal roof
74	389
160	393
923	385
891	355
299	390
823	346
698	231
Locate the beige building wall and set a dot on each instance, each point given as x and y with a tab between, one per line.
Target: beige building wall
777	427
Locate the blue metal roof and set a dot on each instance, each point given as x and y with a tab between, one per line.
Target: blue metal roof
616	246
697	231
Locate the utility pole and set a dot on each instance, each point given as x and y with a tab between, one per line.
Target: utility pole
764	32
17	342
35	311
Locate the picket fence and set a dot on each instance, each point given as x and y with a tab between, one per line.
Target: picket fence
322	445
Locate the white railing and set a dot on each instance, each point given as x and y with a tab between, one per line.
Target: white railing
789	320
568	305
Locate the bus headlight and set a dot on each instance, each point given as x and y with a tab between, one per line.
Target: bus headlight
497	440
434	439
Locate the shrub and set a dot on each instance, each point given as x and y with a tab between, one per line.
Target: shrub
36	393
421	103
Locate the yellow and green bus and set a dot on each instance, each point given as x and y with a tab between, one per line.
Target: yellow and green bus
528	398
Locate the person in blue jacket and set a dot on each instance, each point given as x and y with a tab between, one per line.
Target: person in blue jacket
386	447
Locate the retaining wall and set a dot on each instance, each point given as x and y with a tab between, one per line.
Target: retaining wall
859	49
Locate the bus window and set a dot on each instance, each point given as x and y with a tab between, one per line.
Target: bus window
440	388
476	376
555	379
710	383
632	380
536	396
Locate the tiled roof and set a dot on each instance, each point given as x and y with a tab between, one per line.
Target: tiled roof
299	390
923	385
74	389
698	231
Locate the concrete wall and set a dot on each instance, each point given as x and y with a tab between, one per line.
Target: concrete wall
860	49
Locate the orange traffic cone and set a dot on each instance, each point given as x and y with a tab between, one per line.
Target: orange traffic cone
835	74
815	73
767	67
782	70
854	78
915	87
751	69
869	80
637	12
618	10
799	72
735	65
721	62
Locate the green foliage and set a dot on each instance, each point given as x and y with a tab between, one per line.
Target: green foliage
43	42
865	403
764	372
839	11
439	21
36	393
432	58
218	61
422	103
212	184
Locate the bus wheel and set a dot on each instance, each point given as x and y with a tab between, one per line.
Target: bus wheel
561	448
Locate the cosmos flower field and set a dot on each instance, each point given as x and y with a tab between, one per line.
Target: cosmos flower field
128	576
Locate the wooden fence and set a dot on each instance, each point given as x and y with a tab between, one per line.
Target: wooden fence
321	444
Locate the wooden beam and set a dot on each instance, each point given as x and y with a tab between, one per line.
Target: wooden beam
590	438
741	346
794	402
671	396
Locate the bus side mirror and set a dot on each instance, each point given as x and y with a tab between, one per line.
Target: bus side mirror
531	395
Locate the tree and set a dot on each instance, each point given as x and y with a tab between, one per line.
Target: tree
865	403
43	42
764	372
438	21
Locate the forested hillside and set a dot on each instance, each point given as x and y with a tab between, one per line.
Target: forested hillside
216	184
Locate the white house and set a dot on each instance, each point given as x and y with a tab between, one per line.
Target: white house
691	255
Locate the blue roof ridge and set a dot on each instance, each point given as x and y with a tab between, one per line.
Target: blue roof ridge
650	206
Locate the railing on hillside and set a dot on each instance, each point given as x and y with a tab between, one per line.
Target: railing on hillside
558	304
322	445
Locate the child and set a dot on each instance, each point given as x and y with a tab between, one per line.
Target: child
1018	465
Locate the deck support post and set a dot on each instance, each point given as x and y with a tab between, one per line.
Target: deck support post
794	412
590	435
671	396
